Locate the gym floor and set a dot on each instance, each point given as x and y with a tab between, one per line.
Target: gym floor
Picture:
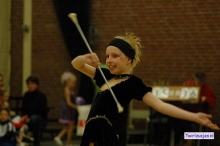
76	143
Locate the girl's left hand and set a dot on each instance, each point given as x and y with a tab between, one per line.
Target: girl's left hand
204	119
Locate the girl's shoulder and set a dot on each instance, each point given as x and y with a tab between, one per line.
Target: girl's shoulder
136	88
135	79
137	83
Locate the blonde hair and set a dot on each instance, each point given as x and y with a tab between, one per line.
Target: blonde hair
67	76
135	43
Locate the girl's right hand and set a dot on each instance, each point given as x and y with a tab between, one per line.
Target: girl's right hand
86	64
92	59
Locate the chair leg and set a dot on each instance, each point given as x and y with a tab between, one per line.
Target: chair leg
146	131
172	137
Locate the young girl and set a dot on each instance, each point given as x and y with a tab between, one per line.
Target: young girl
7	130
122	55
68	108
15	120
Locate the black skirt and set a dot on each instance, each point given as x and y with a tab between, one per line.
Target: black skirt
99	131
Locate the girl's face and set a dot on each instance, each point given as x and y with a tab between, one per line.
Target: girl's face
117	61
71	83
4	116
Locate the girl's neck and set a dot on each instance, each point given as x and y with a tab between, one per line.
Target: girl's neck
128	71
124	73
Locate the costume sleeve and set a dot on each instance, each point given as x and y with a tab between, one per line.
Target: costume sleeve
98	77
138	89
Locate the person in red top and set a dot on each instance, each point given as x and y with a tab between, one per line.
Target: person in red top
207	97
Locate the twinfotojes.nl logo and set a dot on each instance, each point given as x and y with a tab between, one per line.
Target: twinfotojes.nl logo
199	135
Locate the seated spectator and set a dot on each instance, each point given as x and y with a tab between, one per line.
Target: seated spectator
4	96
7	130
35	108
207	97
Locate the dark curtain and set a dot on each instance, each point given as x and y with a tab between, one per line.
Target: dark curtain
73	40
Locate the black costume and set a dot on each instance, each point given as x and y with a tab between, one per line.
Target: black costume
104	111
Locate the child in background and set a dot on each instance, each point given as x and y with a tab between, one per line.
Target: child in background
7	130
69	112
4	97
17	121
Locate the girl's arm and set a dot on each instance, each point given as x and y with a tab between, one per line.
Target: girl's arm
173	111
86	64
68	99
